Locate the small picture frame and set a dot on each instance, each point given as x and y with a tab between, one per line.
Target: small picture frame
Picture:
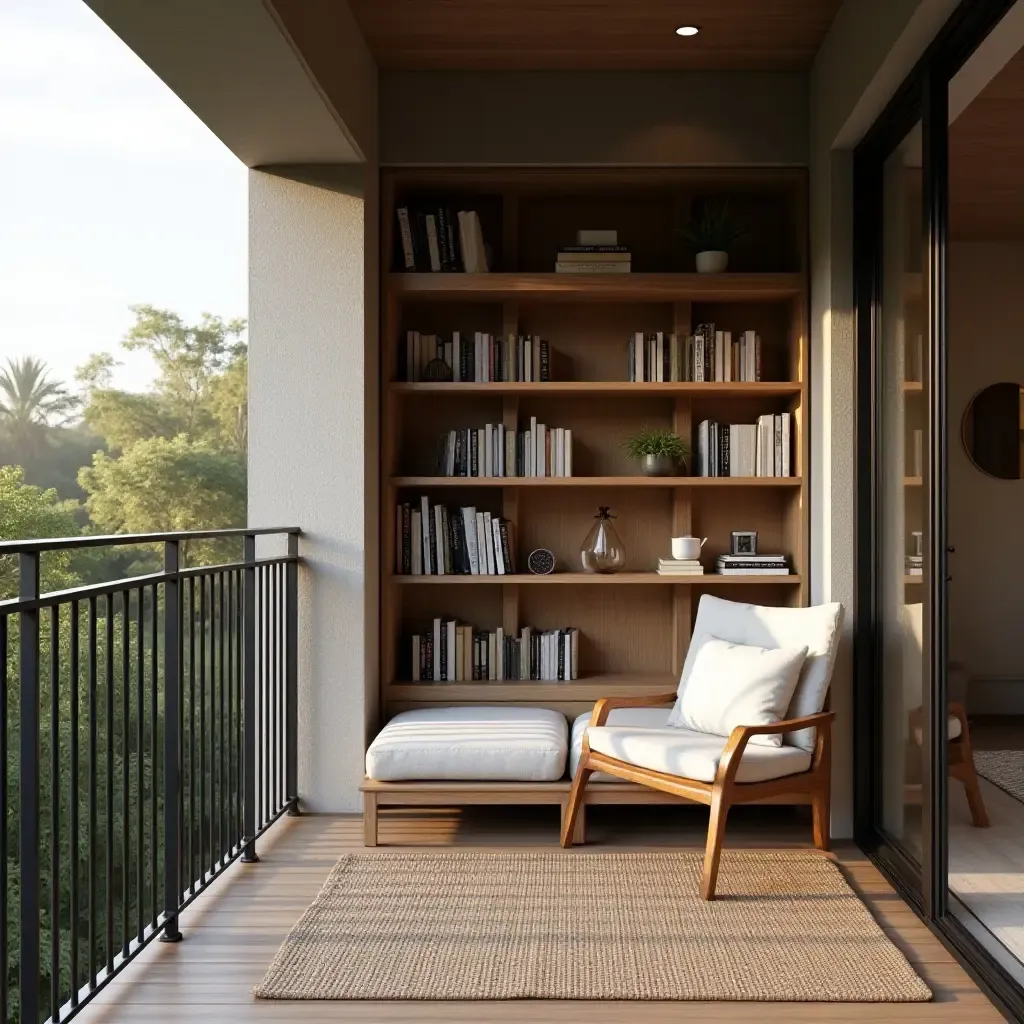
744	542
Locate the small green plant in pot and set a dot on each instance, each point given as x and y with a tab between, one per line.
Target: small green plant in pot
712	235
659	452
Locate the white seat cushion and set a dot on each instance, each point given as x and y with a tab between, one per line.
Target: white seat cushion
953	729
642	736
817	628
470	743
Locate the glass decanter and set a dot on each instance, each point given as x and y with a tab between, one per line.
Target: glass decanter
603	550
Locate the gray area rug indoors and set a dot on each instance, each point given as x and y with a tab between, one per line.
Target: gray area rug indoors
1003	768
573	925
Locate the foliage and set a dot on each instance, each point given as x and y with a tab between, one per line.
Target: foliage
714	230
656	442
30	401
27	511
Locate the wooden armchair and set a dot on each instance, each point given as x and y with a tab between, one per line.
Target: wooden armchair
722	771
812	786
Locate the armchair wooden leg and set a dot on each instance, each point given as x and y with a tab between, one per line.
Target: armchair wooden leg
972	789
713	851
575	803
821	816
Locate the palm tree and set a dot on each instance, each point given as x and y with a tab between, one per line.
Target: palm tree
31	400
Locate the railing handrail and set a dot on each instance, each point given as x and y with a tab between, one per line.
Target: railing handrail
40	544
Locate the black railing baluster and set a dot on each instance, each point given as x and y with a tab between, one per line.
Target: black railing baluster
73	796
154	757
272	691
55	999
204	613
292	675
93	924
173	633
215	657
4	1008
28	787
140	775
193	659
222	843
109	809
126	811
249	700
236	722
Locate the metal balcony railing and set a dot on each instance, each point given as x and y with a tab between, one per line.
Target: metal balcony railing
147	738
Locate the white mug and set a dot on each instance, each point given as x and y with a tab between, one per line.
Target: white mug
687	547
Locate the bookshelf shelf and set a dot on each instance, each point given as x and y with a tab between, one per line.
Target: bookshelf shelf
589	689
634	627
562	482
599	287
596	579
764	389
912	481
913	387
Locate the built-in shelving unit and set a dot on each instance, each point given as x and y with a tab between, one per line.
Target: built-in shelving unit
634	625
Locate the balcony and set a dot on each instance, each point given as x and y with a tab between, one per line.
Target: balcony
169	700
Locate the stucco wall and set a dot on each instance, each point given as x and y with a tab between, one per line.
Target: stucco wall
307	452
986	308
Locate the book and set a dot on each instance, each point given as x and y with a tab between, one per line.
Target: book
405	234
619	250
591	254
578	267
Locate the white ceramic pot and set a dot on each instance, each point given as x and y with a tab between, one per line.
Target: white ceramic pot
712	261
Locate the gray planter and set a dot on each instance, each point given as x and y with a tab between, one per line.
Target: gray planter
658	465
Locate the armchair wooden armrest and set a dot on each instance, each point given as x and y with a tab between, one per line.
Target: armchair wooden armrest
608	704
740	736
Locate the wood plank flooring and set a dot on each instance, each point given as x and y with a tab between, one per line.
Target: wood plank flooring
233	930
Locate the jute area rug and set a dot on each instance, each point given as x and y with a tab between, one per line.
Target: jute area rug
1003	768
517	925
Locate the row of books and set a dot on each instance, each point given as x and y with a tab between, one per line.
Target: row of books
494	450
434	540
751	565
483	359
707	355
744	449
454	652
434	238
593	259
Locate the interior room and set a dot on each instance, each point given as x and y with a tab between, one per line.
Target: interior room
985	438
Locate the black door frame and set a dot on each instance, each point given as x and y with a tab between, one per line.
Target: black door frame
923	97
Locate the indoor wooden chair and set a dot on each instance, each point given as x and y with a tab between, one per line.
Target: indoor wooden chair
738	623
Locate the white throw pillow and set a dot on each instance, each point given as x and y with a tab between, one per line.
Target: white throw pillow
738	684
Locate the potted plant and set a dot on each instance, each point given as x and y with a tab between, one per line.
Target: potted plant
712	236
659	452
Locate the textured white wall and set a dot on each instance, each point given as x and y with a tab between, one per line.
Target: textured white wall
307	437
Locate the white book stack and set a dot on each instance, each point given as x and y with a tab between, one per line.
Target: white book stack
751	565
680	567
595	252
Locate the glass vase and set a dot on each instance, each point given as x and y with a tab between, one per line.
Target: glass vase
603	551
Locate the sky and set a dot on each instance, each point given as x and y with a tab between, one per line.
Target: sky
112	194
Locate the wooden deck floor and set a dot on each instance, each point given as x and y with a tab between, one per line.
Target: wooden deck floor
233	930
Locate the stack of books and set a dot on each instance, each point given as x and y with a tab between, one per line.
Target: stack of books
493	450
595	252
433	540
915	565
485	359
435	239
744	449
453	652
680	567
709	355
751	565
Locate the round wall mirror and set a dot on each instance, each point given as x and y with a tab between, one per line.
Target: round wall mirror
993	430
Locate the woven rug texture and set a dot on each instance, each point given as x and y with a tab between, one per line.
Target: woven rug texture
464	925
1003	768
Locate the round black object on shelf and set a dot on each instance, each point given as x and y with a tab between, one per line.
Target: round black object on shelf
541	562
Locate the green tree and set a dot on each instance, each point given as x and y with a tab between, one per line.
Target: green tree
164	485
27	511
31	400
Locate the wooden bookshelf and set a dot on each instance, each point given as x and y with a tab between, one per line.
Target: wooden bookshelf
634	625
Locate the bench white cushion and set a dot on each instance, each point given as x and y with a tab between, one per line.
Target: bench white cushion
642	736
471	743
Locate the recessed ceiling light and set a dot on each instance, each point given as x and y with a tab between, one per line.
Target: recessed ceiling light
687	30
